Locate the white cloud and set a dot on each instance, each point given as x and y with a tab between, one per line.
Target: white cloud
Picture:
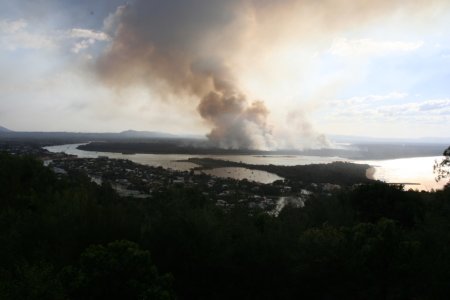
436	105
31	41
428	107
368	47
429	111
89	37
368	99
82	45
89	34
15	35
12	26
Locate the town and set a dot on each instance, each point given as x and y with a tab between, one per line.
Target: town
130	179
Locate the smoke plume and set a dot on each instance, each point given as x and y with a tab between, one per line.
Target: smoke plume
181	47
186	47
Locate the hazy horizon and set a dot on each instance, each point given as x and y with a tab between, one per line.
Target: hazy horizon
434	139
335	141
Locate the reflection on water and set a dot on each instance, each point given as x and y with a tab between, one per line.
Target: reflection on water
243	173
169	161
406	170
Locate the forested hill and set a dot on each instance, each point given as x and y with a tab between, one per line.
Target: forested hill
4	129
68	238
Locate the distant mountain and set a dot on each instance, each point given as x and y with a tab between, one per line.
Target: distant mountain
3	129
84	137
156	134
146	134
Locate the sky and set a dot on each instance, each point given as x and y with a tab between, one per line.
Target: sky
250	73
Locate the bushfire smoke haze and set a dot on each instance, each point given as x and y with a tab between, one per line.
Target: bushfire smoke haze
249	74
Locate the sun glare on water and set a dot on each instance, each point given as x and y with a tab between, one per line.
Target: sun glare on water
416	173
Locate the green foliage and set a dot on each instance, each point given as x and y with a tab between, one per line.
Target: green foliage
378	200
47	223
71	239
119	270
31	281
442	168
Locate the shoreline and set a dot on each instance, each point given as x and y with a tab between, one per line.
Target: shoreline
358	153
342	173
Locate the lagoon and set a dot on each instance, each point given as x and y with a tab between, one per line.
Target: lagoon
416	170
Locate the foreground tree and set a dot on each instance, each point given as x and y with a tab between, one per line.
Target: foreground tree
442	169
119	270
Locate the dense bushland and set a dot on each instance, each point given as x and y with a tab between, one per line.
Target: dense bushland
68	238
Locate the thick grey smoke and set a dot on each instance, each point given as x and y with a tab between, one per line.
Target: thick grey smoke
184	47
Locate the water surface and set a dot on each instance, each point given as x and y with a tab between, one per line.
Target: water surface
417	170
243	173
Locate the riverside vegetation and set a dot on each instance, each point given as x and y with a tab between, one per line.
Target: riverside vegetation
64	237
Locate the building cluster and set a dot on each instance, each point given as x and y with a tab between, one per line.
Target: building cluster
130	179
136	180
24	149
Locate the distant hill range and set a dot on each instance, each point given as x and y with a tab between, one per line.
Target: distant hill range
132	141
3	129
146	134
84	137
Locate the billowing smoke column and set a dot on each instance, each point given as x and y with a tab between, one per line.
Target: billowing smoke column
181	47
236	123
189	48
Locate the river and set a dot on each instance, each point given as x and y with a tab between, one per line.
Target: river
417	170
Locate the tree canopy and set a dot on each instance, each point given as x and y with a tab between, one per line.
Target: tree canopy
442	168
67	238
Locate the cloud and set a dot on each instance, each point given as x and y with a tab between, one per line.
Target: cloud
10	27
89	34
435	111
15	35
440	105
370	47
80	46
369	99
428	107
88	38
